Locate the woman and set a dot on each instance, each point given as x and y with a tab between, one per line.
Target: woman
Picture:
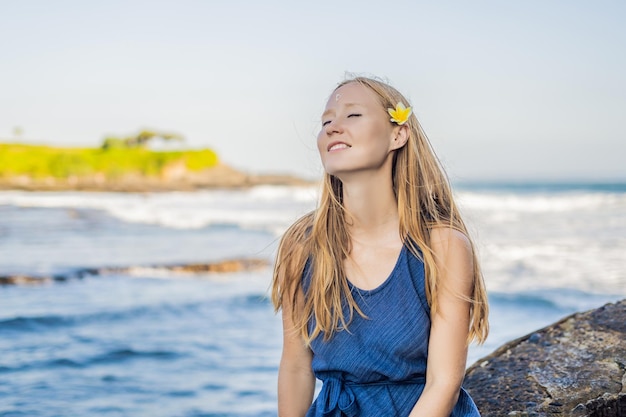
380	287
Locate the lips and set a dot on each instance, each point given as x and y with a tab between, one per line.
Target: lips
336	146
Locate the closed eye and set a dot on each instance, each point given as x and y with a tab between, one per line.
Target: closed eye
326	122
355	115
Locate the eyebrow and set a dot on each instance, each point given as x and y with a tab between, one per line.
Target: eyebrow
345	105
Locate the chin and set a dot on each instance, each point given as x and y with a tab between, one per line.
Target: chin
336	171
342	174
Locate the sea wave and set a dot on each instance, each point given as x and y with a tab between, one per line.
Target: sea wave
111	317
555	300
275	207
265	207
541	202
527	240
33	324
114	356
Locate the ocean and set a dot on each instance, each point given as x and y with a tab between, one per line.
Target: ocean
150	342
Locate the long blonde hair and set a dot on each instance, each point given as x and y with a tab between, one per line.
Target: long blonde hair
425	201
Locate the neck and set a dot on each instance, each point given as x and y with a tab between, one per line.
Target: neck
371	206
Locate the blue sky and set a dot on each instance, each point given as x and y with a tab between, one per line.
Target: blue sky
505	90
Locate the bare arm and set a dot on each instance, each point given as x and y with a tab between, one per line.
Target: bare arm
447	346
296	381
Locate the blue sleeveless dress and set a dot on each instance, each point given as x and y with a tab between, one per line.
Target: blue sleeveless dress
378	366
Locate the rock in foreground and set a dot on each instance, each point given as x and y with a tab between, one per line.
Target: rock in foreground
575	367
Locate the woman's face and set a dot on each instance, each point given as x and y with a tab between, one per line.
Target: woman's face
356	134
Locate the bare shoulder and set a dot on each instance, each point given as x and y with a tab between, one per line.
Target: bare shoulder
454	258
446	240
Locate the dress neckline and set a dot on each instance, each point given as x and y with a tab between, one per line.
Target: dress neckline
385	282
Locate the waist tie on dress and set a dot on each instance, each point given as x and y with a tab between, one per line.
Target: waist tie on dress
337	399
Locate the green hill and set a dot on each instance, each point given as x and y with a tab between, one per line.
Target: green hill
39	162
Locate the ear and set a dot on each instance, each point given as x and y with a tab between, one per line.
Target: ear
399	137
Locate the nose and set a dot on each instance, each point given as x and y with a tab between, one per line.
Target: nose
333	127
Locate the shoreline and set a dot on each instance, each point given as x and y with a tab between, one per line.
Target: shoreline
219	177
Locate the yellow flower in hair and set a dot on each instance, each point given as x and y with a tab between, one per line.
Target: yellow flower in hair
400	114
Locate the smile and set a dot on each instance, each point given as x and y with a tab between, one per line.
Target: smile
335	146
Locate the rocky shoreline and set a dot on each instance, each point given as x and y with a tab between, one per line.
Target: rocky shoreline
172	179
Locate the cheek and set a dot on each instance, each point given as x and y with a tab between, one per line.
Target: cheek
320	142
384	132
377	138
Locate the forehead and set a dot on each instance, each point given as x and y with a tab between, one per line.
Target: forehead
352	93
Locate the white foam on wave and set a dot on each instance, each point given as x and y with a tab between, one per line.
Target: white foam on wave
266	207
272	203
541	240
539	202
526	241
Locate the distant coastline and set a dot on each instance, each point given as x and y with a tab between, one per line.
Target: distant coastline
221	176
45	168
30	167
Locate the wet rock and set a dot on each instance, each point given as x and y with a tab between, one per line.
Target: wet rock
575	367
224	266
23	280
19	279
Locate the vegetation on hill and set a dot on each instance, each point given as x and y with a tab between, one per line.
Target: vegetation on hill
112	162
139	140
122	164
